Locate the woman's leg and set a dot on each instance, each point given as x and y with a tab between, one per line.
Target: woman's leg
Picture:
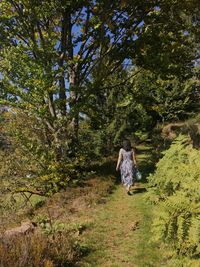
128	191
127	184
126	187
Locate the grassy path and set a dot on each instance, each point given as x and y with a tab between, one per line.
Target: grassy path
120	233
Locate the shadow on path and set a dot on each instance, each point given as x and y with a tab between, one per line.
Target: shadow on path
139	190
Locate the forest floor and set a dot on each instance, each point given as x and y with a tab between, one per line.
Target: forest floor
112	228
120	234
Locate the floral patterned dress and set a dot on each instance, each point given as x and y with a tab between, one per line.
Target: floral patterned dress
127	168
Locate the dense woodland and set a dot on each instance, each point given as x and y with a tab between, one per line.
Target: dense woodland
77	77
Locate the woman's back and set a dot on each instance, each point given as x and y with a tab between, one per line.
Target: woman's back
127	155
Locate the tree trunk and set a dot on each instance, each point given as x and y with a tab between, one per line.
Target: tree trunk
63	49
73	106
72	76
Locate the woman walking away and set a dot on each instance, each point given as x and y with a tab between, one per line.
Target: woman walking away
127	165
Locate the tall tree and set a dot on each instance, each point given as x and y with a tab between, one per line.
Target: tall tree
56	54
49	50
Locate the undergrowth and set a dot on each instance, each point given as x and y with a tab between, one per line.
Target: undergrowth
174	192
57	239
35	250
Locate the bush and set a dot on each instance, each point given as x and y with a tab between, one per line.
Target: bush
35	250
34	159
174	191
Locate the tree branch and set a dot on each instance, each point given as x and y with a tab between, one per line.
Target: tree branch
122	83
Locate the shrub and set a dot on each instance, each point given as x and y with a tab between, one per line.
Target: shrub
35	250
174	191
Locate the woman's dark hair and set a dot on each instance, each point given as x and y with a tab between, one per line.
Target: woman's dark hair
127	145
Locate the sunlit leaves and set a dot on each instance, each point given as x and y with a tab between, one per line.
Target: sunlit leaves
62	61
175	192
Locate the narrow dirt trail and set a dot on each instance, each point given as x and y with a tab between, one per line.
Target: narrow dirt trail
120	233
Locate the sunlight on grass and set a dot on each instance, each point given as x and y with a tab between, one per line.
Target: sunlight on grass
121	231
112	240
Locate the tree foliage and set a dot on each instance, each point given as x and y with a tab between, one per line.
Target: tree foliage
163	100
63	70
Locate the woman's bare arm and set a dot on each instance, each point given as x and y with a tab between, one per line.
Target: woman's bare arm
119	160
134	158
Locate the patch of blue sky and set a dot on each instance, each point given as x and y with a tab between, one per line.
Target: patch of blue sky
157	8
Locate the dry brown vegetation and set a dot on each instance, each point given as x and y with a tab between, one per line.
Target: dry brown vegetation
56	239
38	250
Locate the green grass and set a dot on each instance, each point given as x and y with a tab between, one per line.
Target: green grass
112	239
144	147
120	233
148	253
115	229
14	209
